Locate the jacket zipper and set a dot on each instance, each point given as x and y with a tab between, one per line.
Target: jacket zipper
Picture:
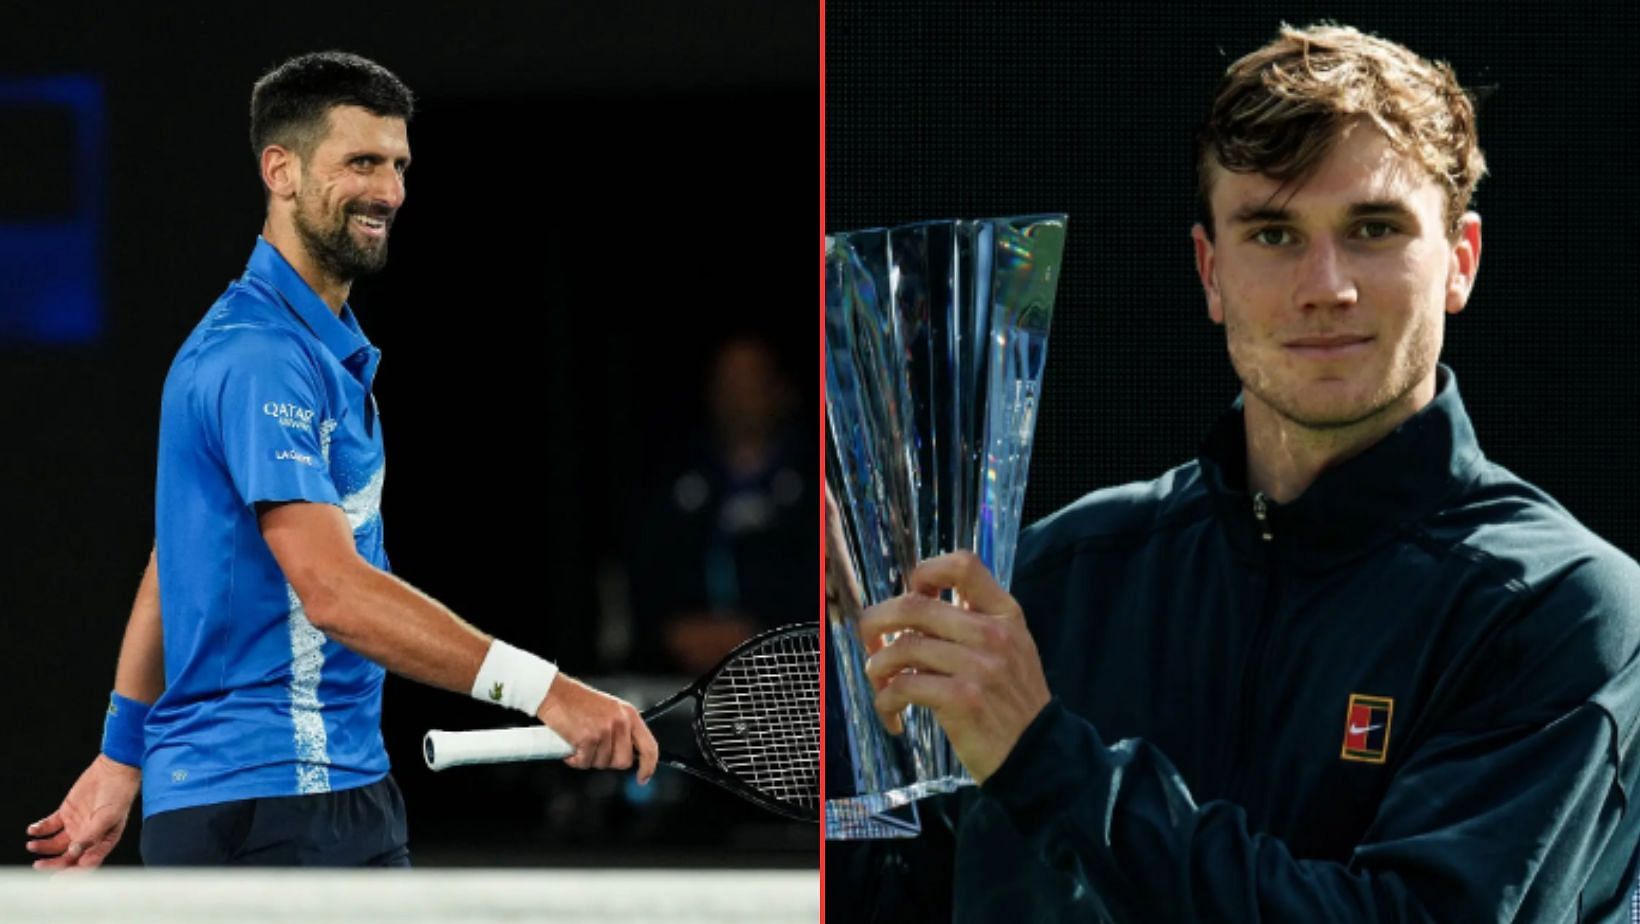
1247	698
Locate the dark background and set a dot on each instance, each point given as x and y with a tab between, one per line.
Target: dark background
970	111
602	193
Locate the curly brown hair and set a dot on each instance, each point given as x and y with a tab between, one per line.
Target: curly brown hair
1280	110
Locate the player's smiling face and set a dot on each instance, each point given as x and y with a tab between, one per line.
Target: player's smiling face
1333	291
351	190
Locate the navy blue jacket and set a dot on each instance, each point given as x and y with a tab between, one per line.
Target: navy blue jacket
1409	695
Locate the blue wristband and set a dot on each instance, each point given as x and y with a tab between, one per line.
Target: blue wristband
122	731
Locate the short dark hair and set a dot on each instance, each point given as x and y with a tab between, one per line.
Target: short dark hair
290	105
1280	110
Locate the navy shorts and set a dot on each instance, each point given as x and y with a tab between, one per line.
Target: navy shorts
354	827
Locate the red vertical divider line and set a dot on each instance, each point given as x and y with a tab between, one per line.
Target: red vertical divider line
821	444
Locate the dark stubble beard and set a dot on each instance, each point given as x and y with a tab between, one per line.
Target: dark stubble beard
332	245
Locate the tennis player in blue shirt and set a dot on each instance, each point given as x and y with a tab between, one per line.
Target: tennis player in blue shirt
248	708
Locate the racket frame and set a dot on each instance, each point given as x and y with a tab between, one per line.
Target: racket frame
716	774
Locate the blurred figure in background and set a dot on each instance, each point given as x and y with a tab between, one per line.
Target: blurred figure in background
729	544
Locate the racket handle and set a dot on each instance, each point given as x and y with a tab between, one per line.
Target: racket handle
443	749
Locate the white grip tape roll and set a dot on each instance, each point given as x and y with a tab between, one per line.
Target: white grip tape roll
443	749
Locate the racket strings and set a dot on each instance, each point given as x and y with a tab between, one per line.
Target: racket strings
761	716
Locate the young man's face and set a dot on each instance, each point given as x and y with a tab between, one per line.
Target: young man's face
1333	294
351	189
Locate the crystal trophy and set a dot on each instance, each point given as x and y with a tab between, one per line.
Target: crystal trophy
936	335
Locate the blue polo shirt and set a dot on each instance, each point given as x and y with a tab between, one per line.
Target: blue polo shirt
268	400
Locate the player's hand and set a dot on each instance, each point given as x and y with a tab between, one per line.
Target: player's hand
606	732
975	666
88	824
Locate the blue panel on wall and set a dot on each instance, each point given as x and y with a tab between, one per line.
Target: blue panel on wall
52	185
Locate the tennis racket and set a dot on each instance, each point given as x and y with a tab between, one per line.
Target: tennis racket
756	723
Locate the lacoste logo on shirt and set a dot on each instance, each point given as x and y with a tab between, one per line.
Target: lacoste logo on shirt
495	693
1366	728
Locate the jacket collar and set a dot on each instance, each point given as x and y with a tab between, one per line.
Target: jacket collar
1356	505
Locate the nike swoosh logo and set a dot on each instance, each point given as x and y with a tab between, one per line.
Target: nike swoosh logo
1362	729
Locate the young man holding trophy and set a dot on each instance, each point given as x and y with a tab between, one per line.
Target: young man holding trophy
1340	667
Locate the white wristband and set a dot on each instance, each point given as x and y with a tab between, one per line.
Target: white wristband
513	678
